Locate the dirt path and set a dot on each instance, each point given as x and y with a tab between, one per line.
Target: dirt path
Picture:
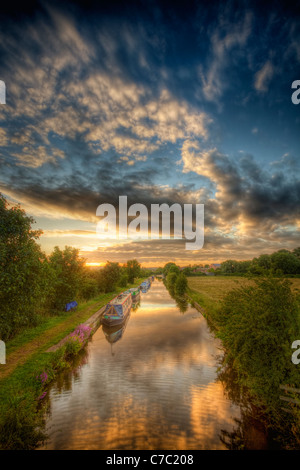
21	355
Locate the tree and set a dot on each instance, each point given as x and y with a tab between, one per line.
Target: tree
123	281
174	269
187	271
109	277
243	266
22	276
88	285
258	325
180	285
170	282
296	252
167	267
133	268
264	261
229	266
68	272
287	262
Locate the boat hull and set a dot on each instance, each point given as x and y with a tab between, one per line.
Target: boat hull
114	333
116	312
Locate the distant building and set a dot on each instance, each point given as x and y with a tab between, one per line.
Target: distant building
215	266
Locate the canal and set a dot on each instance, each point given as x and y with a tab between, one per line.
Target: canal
152	385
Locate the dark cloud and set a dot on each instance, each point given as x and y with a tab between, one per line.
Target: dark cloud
103	105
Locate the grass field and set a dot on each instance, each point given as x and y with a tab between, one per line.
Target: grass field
209	290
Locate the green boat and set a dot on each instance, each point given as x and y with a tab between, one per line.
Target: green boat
135	292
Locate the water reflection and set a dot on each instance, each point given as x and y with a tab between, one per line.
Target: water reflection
159	389
182	304
250	431
115	333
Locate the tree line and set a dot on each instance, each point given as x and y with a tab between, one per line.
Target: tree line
280	263
32	285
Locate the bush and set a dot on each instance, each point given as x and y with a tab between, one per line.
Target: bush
180	285
21	427
257	326
77	340
73	346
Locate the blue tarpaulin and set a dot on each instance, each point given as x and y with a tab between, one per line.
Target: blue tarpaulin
70	306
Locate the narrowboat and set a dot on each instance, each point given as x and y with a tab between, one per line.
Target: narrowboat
145	286
135	292
117	309
115	333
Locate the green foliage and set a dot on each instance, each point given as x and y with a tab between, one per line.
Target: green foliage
180	285
109	277
167	267
21	427
174	269
22	274
287	262
264	261
171	280
67	274
257	326
296	252
72	347
281	262
229	266
133	269
188	271
123	280
88	286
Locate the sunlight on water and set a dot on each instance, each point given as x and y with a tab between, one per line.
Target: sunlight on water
152	385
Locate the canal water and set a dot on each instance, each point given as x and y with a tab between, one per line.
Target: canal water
151	385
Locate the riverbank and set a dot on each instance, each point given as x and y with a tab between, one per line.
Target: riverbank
257	321
151	385
30	367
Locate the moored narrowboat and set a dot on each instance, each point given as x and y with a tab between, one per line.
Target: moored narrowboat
135	292
117	309
114	333
145	286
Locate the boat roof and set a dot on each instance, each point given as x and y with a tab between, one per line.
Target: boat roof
120	299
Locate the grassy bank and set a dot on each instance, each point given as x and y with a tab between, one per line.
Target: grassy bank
257	321
22	380
209	291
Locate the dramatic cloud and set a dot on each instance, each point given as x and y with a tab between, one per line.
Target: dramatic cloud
163	106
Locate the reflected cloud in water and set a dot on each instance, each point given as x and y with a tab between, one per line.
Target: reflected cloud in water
158	390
